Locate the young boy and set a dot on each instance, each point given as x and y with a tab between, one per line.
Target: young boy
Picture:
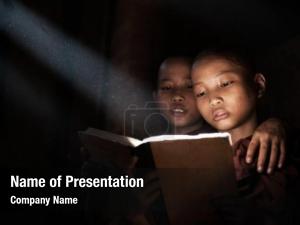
227	89
175	97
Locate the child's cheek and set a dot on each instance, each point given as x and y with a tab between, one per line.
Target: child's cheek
203	108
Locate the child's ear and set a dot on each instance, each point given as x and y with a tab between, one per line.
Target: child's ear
260	82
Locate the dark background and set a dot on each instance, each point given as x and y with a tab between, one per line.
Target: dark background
42	109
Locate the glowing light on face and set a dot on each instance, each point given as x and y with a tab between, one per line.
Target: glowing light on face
176	94
225	98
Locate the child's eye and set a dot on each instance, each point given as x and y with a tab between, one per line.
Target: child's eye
226	83
165	88
200	94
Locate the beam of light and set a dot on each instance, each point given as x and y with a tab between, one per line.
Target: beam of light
84	69
29	98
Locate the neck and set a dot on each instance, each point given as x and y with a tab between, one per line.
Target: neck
187	129
244	130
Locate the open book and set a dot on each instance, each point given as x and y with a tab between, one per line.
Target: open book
193	169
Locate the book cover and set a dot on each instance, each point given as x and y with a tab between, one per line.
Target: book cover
191	168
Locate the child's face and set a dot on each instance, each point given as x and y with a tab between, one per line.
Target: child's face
225	98
175	93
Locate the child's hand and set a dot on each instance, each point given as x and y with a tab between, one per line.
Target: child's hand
269	138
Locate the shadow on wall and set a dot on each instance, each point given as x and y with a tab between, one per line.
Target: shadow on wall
281	66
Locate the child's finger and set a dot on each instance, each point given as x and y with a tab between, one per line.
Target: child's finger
262	155
252	148
273	156
282	154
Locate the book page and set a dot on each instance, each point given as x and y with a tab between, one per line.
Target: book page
124	140
185	137
134	142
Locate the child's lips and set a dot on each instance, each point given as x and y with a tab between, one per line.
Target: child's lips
178	110
220	114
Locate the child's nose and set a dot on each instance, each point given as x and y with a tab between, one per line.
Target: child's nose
214	101
177	97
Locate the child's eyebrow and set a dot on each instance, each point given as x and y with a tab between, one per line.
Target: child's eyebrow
224	72
197	83
167	79
164	79
218	74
